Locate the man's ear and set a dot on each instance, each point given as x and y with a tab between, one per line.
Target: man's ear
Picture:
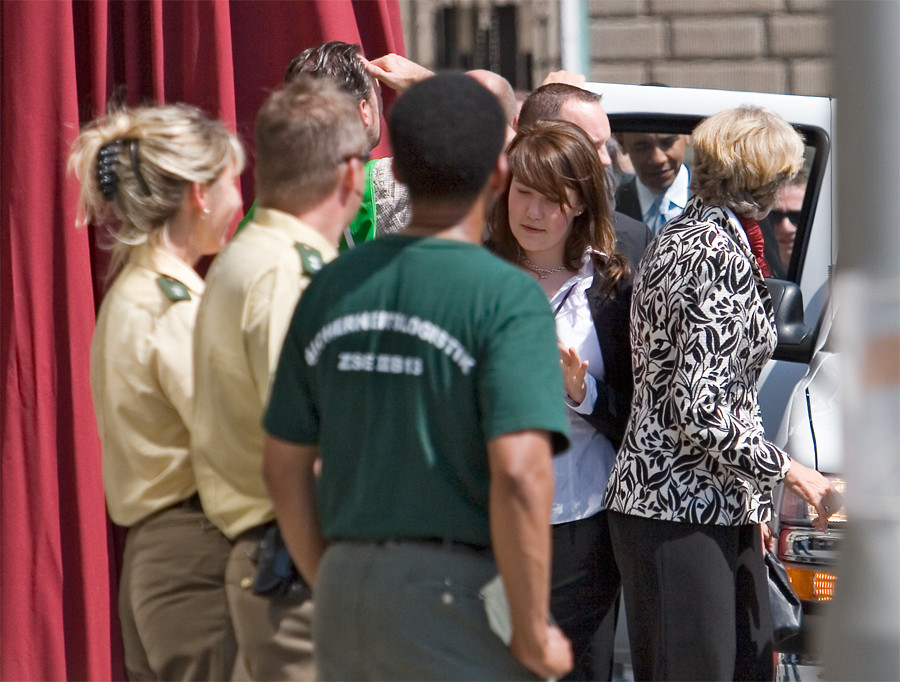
366	113
497	180
350	180
515	123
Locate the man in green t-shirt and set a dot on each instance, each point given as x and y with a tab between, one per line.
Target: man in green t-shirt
424	372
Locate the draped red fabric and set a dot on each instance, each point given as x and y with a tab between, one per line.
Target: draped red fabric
60	63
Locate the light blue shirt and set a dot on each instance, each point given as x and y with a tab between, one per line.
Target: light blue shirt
658	209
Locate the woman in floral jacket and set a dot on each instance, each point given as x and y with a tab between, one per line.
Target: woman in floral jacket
692	482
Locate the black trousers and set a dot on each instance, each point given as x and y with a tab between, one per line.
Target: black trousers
584	594
696	599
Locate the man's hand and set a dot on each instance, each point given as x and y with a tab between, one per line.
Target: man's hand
574	371
397	72
567	77
550	659
813	487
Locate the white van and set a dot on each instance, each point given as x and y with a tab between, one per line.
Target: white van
798	395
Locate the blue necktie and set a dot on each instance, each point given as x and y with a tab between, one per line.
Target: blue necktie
656	214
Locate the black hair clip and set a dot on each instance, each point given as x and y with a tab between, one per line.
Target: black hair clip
107	160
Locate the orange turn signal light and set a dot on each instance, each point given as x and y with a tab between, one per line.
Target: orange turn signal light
811	584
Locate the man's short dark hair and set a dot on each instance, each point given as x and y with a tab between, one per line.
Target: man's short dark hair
337	60
447	132
545	103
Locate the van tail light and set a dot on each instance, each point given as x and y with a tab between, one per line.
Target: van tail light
809	555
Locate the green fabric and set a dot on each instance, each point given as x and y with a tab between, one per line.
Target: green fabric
362	228
403	381
247	219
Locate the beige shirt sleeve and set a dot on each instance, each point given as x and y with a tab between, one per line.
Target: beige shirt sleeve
270	307
173	360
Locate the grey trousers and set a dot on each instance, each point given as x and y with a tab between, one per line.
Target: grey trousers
407	611
172	604
274	634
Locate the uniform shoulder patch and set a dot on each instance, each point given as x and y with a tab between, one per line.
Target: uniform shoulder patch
310	258
173	289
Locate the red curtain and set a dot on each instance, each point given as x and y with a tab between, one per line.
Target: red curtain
60	62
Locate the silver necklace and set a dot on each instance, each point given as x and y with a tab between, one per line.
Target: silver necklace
542	273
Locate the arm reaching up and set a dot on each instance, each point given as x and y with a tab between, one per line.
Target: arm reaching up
396	72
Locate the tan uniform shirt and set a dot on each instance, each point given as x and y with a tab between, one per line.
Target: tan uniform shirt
252	289
142	384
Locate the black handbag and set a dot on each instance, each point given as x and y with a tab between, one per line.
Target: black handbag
784	604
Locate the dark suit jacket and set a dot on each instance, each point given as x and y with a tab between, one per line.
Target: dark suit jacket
632	238
611	321
627	199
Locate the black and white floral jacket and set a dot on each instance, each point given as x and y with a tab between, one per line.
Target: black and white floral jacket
702	328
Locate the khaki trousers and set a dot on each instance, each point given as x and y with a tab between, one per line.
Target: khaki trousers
274	634
172	601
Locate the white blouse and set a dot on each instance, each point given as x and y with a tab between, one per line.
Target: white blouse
581	472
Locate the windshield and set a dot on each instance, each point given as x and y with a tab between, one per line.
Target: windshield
649	151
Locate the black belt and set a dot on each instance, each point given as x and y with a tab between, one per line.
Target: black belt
447	544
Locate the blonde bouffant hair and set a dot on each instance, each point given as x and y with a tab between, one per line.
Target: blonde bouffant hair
742	157
135	166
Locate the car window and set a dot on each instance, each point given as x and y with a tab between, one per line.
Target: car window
786	230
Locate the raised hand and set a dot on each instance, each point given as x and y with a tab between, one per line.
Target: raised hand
567	77
574	371
397	72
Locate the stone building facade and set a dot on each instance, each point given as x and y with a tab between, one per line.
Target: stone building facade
781	46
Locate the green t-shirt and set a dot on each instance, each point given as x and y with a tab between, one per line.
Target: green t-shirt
404	357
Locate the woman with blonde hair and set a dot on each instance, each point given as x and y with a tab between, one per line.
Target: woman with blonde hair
691	487
555	222
162	182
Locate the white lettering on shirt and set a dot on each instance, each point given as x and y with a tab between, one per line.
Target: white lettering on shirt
384	320
381	362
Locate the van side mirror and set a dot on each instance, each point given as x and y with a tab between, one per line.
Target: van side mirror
795	339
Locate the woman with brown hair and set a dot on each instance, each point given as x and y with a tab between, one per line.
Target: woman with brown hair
555	222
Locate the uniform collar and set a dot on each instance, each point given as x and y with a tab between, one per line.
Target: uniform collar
164	262
295	229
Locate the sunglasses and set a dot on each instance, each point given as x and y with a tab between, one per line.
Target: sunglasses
778	216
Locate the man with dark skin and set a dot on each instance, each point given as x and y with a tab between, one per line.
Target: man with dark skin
450	480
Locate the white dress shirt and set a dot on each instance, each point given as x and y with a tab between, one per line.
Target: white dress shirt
657	209
581	472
